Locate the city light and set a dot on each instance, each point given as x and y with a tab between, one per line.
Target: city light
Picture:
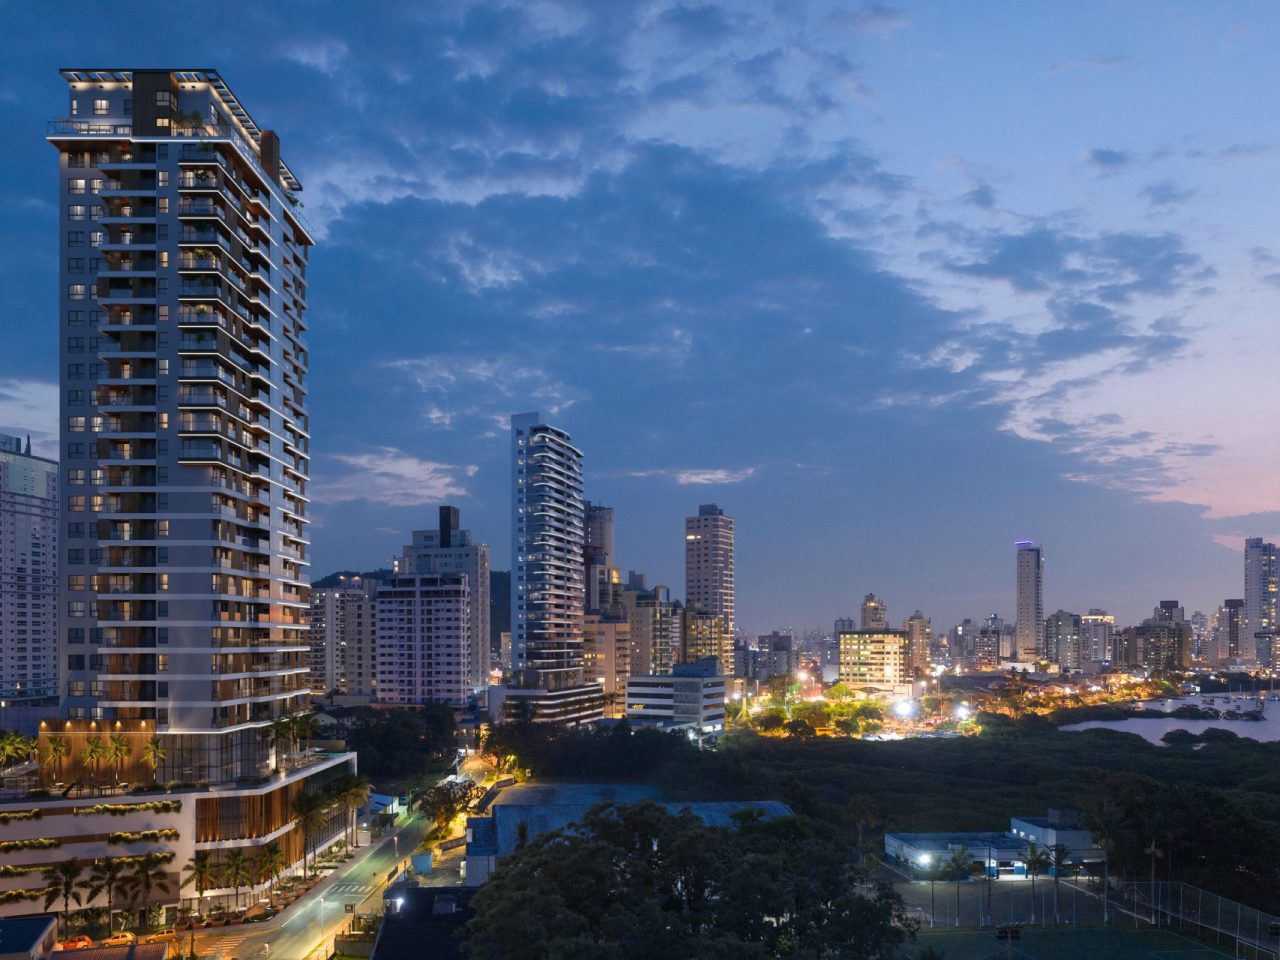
904	709
963	712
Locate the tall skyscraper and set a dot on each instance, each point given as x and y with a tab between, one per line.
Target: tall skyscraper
1029	628
184	417
184	433
875	615
604	580
708	564
919	633
28	574
1231	629
547	578
1261	591
1063	640
450	551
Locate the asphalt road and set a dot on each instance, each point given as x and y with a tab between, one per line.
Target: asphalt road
310	924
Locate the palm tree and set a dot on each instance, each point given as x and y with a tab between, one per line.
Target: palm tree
352	791
956	868
1102	816
57	749
236	871
118	751
269	863
14	746
153	754
309	814
108	876
148	875
1037	863
201	872
62	882
304	727
1060	863
92	753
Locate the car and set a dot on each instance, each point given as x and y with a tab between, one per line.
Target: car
76	943
121	938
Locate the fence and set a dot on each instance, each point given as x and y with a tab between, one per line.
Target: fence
1180	906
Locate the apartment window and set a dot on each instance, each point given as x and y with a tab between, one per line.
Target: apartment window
164	98
162	663
162	420
75	608
75	504
75	371
75	107
162	608
162	635
75	265
97	238
162	205
128	108
94	264
101	108
76	211
75	318
162	178
162	582
76	186
162	311
75	688
75	238
75	530
75	555
75	344
97	476
163	259
75	635
75	581
75	424
162	689
76	291
162	528
75	477
75	661
162	367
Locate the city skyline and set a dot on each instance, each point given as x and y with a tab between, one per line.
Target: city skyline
1017	304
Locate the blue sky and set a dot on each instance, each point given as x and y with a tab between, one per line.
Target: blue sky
894	285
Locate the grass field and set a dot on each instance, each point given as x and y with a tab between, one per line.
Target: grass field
1076	944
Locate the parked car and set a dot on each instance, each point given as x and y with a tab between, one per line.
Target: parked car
76	943
122	938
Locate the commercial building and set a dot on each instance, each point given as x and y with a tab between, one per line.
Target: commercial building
449	551
1064	641
547	580
875	615
1029	576
692	697
343	657
423	637
184	419
875	662
28	579
708	564
606	655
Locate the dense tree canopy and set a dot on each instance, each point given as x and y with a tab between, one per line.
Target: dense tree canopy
402	745
639	883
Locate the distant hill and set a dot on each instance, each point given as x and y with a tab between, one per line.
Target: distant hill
334	579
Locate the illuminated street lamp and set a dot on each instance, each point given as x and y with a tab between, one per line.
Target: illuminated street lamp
904	709
926	862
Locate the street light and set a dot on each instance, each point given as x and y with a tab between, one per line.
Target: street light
926	861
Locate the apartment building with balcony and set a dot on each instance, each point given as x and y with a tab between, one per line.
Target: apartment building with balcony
342	633
185	441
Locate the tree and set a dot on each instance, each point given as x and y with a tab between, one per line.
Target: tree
62	882
92	753
802	729
14	746
56	750
815	713
1102	816
153	754
645	884
956	868
202	873
236	871
445	801
310	813
864	816
269	863
117	751
1037	863
147	877
352	791
108	876
1060	863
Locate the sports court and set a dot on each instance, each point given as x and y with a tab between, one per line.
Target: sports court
1081	943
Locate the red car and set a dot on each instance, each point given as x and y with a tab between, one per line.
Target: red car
76	943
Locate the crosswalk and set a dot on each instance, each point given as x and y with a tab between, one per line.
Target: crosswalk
229	946
349	888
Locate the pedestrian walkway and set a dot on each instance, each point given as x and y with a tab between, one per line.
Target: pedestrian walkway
351	888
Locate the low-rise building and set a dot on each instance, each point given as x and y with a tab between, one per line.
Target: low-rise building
876	662
28	938
691	697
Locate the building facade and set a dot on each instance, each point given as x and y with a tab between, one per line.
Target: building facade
1096	629
423	636
449	551
185	434
1064	640
919	633
547	578
692	698
28	575
705	636
876	662
606	655
875	615
1261	590
708	564
343	655
1029	626
657	626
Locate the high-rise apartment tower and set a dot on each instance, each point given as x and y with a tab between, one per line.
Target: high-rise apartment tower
708	564
1029	628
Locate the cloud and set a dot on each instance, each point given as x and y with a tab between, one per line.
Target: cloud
31	407
704	477
1165	193
484	388
1108	159
1089	63
981	195
390	477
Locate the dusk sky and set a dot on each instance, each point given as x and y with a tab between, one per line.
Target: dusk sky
895	286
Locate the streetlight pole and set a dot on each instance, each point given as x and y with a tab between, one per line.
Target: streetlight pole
926	862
